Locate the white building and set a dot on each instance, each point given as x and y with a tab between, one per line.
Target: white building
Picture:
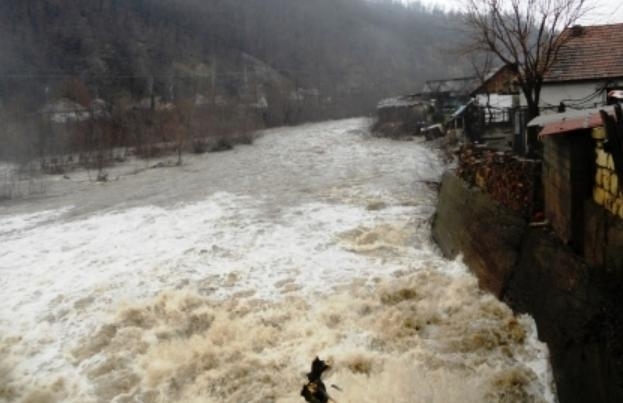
588	68
64	111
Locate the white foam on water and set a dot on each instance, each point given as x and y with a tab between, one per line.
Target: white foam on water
316	242
12	224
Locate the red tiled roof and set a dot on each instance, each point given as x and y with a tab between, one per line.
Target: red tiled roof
595	53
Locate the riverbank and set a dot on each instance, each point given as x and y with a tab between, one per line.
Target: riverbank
575	303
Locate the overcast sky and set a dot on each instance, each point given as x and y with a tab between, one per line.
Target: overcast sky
605	11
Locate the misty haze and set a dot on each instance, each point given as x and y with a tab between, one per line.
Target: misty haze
200	197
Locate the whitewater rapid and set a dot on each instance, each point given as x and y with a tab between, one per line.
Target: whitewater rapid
220	281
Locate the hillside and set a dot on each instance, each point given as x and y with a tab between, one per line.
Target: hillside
300	60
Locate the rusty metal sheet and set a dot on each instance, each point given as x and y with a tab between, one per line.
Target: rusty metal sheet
546	119
570	125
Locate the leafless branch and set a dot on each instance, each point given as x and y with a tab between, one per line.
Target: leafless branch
527	34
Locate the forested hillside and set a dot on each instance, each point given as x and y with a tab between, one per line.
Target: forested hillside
296	60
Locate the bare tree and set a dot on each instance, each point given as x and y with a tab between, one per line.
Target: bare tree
525	34
185	110
482	66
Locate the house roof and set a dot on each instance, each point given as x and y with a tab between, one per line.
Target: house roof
65	110
461	110
405	101
453	86
591	52
63	105
498	80
561	123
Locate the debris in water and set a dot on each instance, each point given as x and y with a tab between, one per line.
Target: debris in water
315	391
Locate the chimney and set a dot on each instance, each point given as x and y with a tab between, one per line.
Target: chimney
577	30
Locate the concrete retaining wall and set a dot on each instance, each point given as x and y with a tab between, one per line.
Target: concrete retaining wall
487	234
577	306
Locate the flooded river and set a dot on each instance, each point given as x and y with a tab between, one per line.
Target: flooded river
221	280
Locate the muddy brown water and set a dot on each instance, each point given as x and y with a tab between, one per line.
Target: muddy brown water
220	281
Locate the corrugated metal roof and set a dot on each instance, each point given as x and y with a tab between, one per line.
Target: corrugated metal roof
543	120
400	102
570	125
455	86
461	109
560	123
618	94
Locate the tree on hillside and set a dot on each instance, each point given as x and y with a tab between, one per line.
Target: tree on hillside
524	34
185	110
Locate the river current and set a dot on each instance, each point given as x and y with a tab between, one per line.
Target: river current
221	280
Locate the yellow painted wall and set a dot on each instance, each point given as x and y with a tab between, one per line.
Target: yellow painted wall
608	187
